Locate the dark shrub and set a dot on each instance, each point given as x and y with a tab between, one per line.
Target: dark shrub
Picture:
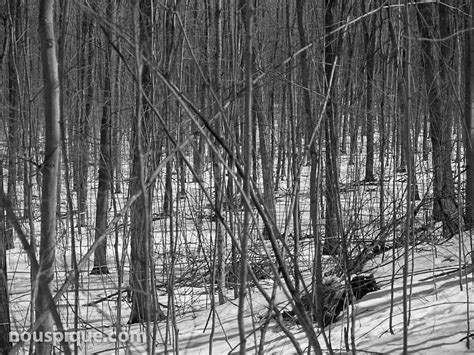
335	297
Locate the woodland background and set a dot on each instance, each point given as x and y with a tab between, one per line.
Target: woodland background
148	146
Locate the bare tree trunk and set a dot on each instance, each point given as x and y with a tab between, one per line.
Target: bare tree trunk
145	307
469	123
349	92
354	129
425	138
5	344
305	75
280	166
13	98
410	177
444	204
50	168
369	31
219	179
331	242
83	155
117	98
105	160
383	135
266	157
247	7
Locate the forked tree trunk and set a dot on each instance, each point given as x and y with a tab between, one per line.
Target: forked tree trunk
49	170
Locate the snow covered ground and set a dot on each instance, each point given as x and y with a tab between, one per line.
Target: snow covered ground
441	294
441	300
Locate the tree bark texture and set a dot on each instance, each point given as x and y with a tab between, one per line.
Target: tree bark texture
4	299
49	169
434	65
331	242
144	307
469	124
105	162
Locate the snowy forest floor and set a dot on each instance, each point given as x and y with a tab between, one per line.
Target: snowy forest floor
438	318
439	302
440	293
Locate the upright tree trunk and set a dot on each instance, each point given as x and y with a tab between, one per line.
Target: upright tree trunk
315	159
4	299
349	92
266	156
247	8
198	139
305	75
50	168
117	120
83	155
406	98
14	109
369	31
469	123
105	160
331	242
145	307
444	201
310	125
279	169
219	178
354	129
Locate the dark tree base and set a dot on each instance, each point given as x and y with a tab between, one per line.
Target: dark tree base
100	270
369	180
336	298
156	316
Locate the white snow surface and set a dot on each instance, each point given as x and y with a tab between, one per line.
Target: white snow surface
438	316
440	302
